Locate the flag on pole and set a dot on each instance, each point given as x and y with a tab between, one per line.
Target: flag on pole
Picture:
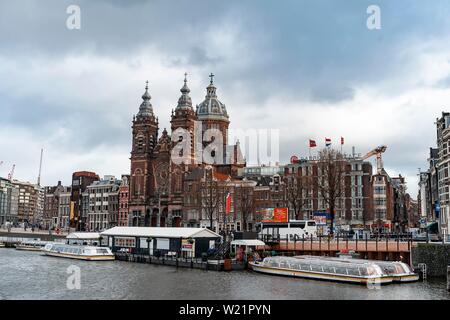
327	142
228	203
312	143
342	140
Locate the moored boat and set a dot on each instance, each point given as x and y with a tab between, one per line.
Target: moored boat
399	271
32	245
2	245
319	269
89	253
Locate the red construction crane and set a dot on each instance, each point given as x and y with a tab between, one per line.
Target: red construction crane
377	151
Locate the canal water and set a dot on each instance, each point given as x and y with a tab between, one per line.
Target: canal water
30	275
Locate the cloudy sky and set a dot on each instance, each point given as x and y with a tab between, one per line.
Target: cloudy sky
311	69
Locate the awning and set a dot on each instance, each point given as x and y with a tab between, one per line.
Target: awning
84	236
247	242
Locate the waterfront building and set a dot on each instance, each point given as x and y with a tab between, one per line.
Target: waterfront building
124	190
161	241
354	205
103	203
80	181
156	194
383	202
30	203
52	206
9	201
443	168
64	208
400	218
428	195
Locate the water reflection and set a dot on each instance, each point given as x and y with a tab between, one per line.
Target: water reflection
29	275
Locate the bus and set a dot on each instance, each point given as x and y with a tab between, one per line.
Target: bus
295	229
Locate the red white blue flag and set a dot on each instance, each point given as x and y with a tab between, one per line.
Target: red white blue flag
327	142
228	203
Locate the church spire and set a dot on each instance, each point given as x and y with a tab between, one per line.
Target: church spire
185	101
146	108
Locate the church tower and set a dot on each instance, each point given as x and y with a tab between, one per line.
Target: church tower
182	123
213	115
145	137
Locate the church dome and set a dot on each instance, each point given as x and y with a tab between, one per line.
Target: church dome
211	108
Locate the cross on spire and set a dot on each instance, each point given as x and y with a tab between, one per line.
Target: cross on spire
211	76
185	77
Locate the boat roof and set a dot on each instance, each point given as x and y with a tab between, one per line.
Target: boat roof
350	260
79	246
248	242
160	232
84	235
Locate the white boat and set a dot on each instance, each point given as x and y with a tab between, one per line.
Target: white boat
31	245
89	253
399	271
321	269
2	245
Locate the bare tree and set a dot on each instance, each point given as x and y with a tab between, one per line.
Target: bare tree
244	197
330	179
211	193
297	187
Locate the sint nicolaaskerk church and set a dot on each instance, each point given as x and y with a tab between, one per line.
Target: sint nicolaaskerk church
167	169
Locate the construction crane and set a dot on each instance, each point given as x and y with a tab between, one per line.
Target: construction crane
11	174
377	151
40	169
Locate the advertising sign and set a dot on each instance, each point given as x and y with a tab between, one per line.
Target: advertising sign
320	218
275	215
186	246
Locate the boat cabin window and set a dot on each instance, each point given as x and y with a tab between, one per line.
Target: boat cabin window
353	271
363	271
328	269
341	270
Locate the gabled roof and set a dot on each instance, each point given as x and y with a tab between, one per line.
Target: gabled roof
160	232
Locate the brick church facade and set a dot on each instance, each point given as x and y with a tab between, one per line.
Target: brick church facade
161	164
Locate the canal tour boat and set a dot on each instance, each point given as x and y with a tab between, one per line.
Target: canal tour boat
88	253
399	271
31	245
321	269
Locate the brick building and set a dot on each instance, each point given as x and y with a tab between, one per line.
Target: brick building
156	191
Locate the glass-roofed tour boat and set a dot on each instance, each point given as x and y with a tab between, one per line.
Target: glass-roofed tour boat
80	252
31	245
333	269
